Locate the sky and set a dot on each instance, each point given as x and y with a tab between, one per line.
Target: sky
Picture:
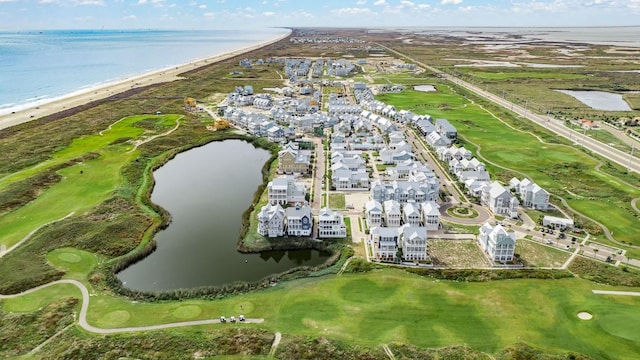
234	14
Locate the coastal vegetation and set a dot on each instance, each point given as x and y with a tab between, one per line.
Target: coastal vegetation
102	154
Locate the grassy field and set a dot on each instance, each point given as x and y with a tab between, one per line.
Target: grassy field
537	255
554	166
386	306
336	201
459	253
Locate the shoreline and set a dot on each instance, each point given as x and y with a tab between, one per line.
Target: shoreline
103	91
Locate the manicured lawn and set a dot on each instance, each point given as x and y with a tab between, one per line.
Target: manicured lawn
336	201
389	305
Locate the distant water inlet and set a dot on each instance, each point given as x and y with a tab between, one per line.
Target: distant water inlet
599	100
206	190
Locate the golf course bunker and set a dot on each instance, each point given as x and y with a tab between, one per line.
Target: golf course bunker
583	315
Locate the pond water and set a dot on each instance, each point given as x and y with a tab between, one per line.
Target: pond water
425	88
206	190
599	100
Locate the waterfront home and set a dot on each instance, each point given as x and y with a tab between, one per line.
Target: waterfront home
331	224
413	241
392	214
299	220
271	220
431	215
284	190
498	244
275	134
292	160
499	200
373	213
384	242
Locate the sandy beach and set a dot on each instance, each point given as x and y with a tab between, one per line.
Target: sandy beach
110	89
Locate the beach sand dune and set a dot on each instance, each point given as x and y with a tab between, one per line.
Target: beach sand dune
65	104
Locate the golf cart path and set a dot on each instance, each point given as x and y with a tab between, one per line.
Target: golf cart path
15	246
82	321
623	293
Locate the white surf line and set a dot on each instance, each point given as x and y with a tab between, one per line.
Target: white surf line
3	253
82	321
621	293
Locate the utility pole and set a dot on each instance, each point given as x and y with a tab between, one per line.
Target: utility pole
633	146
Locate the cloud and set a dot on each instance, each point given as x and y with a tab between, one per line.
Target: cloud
88	2
380	2
203	6
130	17
268	13
142	2
361	2
450	2
351	11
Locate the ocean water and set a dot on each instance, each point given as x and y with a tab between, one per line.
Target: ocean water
39	66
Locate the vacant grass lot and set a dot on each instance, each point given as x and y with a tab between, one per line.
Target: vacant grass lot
336	201
458	253
537	255
553	166
385	306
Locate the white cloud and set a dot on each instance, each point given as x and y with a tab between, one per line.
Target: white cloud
268	13
203	6
89	2
351	11
380	2
361	2
450	2
130	17
48	2
209	14
142	2
406	3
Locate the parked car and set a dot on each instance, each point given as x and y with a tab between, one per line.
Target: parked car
241	318
223	319
232	319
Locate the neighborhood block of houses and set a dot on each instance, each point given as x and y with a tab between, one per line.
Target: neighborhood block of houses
403	205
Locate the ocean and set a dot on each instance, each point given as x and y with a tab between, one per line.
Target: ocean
40	66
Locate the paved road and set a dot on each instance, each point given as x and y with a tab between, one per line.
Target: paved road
82	321
554	125
608	292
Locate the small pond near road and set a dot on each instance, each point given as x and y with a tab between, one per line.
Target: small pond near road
599	100
206	190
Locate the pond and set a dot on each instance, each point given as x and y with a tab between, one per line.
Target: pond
599	100
424	88
206	190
